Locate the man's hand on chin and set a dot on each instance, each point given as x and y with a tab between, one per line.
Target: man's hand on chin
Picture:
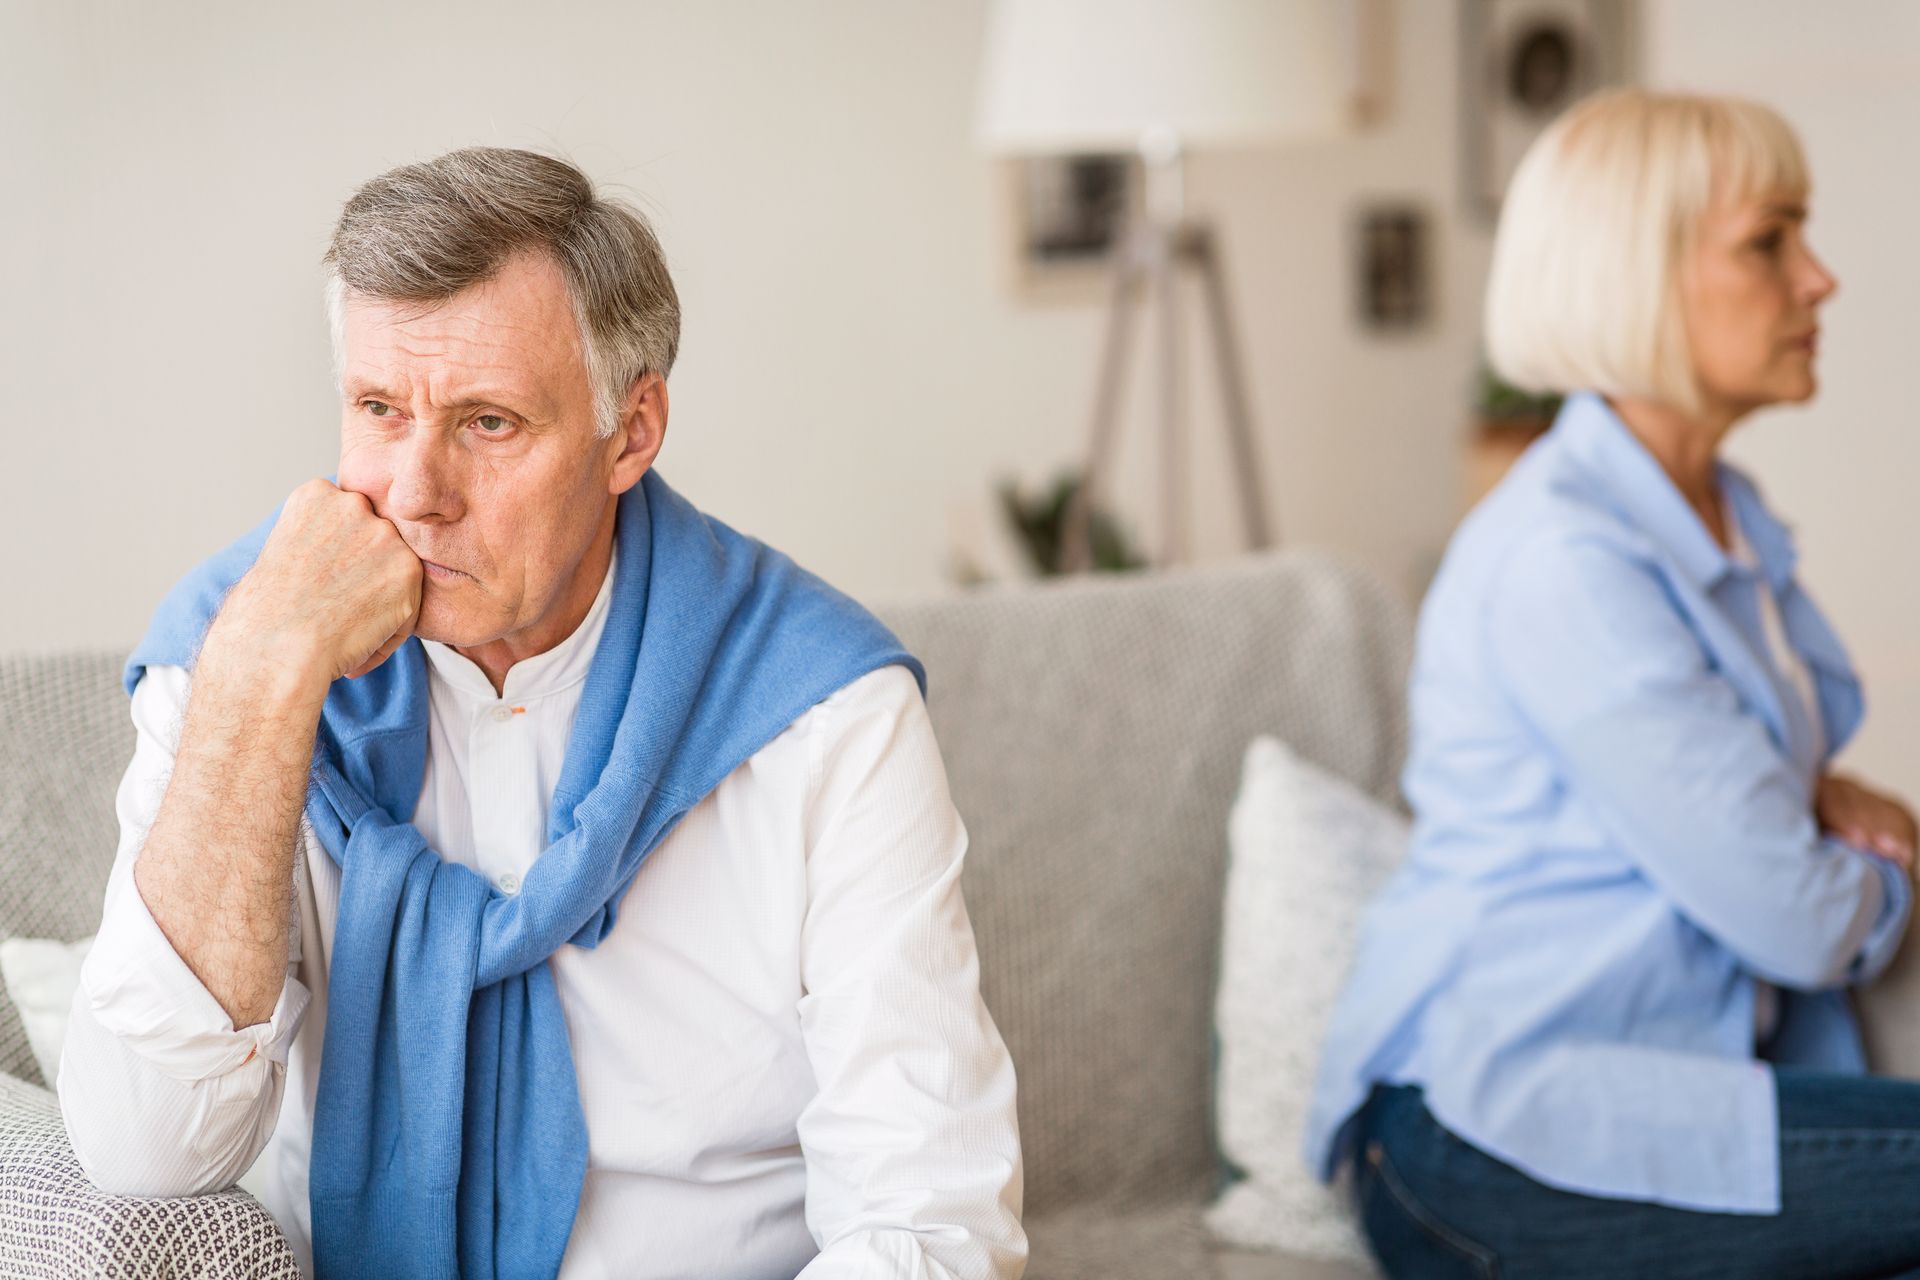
334	592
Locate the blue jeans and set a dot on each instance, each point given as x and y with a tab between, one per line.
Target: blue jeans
1435	1208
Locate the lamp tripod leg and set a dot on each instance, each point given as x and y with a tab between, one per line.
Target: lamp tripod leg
1076	535
1173	453
1233	393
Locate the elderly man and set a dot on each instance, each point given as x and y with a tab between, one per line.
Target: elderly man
521	872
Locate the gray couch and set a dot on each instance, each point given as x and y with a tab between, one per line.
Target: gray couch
1093	730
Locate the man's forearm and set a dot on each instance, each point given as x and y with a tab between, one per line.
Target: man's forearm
216	871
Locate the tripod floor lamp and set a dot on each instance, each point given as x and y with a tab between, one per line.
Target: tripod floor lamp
1155	78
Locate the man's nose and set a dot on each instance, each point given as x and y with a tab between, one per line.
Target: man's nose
422	487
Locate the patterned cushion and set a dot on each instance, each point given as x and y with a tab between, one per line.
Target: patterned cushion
54	1225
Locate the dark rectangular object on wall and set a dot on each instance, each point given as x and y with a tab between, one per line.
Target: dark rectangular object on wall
1522	63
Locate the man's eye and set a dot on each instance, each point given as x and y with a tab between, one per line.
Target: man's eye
492	424
379	410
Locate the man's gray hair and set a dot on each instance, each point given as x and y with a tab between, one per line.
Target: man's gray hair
424	232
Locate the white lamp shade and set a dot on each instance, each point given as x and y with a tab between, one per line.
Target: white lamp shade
1065	76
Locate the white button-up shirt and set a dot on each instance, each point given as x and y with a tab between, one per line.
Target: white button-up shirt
781	1048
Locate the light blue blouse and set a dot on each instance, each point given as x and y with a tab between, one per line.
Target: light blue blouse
1612	787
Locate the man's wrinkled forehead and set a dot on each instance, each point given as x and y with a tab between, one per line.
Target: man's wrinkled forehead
512	334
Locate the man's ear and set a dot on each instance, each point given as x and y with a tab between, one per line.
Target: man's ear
643	429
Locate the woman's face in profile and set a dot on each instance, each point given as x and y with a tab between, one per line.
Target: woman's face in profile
1750	292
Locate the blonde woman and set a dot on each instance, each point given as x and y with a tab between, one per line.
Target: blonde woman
1599	1023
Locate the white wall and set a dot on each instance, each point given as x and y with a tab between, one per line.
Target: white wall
854	378
1842	469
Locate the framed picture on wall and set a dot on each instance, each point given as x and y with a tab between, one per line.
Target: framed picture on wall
1523	62
1066	216
1392	277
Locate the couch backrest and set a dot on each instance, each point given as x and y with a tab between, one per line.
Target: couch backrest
65	739
1093	730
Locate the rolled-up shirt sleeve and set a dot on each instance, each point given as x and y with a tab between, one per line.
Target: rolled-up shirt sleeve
912	1144
1890	930
162	1095
1656	740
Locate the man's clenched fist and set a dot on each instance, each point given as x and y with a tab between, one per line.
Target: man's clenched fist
334	592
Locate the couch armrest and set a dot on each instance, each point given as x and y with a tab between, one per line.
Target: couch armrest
53	1223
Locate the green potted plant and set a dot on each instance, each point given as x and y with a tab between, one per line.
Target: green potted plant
1506	421
1039	523
1501	406
1038	520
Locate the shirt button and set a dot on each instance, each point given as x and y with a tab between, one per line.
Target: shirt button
509	883
502	713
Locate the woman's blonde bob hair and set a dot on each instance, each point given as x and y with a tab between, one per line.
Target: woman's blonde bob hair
1585	288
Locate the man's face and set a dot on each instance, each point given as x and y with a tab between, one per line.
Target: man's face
470	427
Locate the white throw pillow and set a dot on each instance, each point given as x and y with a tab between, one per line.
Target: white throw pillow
1308	850
41	976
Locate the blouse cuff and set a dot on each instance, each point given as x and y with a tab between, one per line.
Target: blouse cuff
1890	926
